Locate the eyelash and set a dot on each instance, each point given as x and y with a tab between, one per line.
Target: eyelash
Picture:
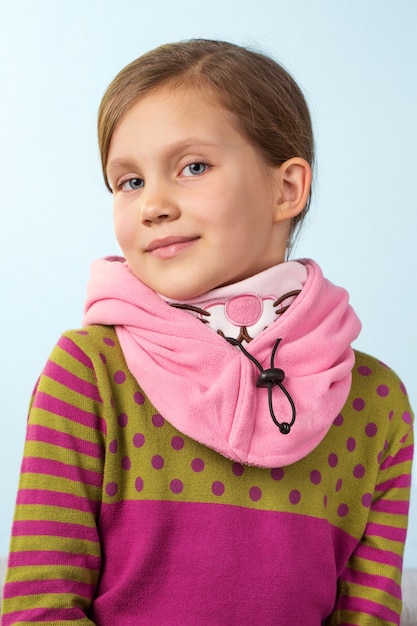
127	181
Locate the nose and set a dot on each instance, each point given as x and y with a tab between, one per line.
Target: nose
157	205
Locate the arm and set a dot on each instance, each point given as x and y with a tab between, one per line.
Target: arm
54	559
369	589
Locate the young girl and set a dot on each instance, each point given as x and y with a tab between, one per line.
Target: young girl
208	449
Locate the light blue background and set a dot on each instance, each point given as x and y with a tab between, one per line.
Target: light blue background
356	61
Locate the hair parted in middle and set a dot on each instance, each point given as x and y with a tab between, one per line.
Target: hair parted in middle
269	106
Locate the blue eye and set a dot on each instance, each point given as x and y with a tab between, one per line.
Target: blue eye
132	184
194	169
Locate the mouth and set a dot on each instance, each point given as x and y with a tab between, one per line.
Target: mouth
168	247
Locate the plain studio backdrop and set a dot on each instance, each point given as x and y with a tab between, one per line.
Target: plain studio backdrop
356	62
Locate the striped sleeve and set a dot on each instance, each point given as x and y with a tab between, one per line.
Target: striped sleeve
54	558
370	586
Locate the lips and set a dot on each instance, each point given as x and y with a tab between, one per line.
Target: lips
170	246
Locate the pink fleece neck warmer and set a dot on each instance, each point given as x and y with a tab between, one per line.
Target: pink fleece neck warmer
206	387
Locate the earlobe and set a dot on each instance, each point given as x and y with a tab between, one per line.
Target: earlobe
294	182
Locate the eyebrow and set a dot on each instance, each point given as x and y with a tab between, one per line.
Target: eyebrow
183	144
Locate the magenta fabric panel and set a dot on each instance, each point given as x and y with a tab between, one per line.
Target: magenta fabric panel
167	561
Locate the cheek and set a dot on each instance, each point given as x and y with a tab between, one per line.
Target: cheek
123	230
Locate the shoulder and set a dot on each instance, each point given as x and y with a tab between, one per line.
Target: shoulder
95	342
94	353
377	390
87	368
90	353
373	375
91	337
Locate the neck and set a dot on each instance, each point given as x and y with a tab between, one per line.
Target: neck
243	309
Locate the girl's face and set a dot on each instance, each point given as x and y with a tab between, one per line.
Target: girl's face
195	205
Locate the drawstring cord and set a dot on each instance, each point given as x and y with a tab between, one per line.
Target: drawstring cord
270	378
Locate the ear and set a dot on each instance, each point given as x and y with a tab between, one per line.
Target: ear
294	182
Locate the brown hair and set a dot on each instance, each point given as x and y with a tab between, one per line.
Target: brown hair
270	108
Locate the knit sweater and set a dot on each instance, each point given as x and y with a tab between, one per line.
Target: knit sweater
123	520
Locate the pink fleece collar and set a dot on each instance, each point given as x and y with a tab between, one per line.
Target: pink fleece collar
206	387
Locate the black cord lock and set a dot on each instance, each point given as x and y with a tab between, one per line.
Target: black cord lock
273	377
269	378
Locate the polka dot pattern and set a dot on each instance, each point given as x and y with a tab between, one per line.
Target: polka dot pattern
122	420
111	489
367	500
358	404
359	470
119	377
339	420
237	469
157	461
333	460
277	473
315	477
382	390
138	440
371	429
217	488
295	496
197	465
255	494
406	416
176	486
126	463
342	510
351	444
177	443
158	420
138	397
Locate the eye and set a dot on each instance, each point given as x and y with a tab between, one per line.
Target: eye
132	184
194	169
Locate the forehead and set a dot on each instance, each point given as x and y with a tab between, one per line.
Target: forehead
166	115
178	104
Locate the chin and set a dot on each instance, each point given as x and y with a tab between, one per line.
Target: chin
180	294
183	292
